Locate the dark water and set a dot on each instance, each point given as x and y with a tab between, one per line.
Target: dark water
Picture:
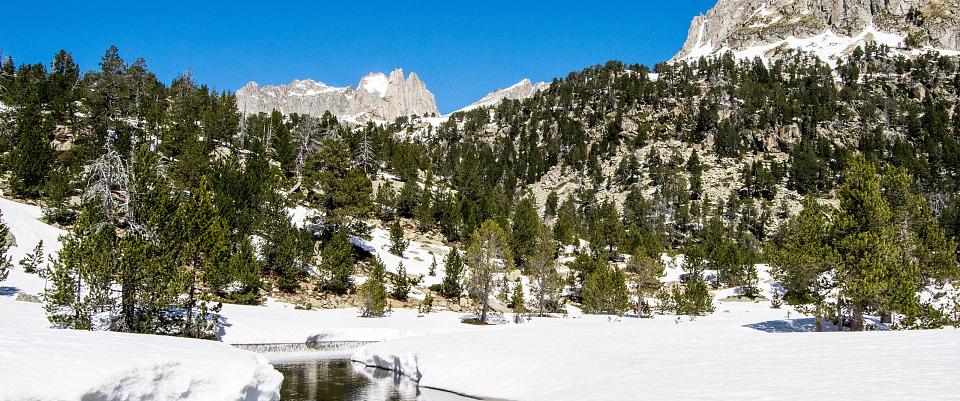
342	380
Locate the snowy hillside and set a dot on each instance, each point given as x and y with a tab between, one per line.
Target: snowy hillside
27	229
518	91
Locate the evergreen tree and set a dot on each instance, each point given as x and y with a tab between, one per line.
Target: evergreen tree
433	265
398	244
545	282
33	261
801	256
489	255
525	226
517	302
550	207
385	202
567	224
337	264
341	190
401	284
5	260
451	287
373	292
866	242
605	291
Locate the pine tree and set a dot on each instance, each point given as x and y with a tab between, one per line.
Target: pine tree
339	188
525	226
426	305
488	255
517	302
801	256
433	266
545	282
401	284
398	244
33	261
605	291
550	207
451	286
337	264
866	241
373	292
5	260
693	298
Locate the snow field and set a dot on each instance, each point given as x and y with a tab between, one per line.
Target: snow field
712	358
66	365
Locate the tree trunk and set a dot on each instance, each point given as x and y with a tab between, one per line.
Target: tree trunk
886	317
819	323
857	323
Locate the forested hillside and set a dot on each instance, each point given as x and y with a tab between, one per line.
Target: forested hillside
843	179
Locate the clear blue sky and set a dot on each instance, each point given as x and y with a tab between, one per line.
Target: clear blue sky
461	49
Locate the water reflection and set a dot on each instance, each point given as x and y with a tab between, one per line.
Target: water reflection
342	380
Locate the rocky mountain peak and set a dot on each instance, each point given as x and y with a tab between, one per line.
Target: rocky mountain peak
828	28
376	97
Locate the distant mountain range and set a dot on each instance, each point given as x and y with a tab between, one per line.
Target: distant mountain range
377	97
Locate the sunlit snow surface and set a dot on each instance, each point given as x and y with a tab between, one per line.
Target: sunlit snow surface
37	363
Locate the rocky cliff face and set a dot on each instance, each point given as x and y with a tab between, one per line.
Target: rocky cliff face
828	28
518	91
376	97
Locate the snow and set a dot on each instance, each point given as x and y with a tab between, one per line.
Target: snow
25	225
375	83
47	364
520	90
283	324
732	354
416	259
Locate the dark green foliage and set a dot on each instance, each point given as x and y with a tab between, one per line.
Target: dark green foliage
373	292
398	242
605	291
524	228
337	264
452	285
401	284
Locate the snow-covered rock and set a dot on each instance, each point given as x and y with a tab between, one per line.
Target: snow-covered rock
830	29
518	91
67	365
376	97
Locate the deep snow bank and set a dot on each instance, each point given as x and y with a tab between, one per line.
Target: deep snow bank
66	365
712	358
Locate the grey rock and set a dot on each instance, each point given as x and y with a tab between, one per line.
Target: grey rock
740	24
376	96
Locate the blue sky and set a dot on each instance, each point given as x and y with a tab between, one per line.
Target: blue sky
461	49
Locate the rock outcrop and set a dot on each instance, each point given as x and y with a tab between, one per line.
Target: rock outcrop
828	28
518	91
376	97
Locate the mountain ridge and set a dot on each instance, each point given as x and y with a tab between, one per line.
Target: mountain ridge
830	29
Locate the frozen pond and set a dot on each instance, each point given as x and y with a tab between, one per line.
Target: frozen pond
339	379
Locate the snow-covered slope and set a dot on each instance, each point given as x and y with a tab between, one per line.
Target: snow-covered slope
376	97
519	91
67	365
830	29
27	228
